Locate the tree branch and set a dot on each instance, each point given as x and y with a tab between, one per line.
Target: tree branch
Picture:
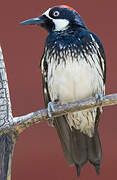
23	122
7	139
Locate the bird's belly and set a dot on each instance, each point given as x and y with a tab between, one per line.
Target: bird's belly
75	81
71	82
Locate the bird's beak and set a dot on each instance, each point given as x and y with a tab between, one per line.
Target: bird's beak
34	21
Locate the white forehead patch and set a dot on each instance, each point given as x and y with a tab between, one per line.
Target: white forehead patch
47	13
60	24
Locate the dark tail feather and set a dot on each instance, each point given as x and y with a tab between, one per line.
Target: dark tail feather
78	169
6	150
78	147
85	148
64	134
74	143
95	151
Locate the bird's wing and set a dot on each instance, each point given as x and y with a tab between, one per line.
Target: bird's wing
101	57
93	53
60	123
44	68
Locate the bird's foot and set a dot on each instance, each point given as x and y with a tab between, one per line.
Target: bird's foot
50	108
99	98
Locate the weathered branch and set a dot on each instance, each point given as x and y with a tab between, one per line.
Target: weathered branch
28	120
7	140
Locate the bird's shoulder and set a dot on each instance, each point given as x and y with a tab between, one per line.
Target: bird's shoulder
78	38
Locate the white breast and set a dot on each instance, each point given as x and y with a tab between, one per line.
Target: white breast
75	80
72	81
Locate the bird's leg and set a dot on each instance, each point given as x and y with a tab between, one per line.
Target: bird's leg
99	98
51	108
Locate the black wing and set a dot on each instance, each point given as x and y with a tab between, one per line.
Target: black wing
60	123
44	68
102	62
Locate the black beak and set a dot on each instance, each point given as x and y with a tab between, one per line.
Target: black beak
42	21
34	21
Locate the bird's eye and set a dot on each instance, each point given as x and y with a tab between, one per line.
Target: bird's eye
56	13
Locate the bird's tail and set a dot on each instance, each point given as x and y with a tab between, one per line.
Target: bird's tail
78	147
6	150
85	149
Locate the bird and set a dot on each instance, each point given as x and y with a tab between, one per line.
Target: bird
73	68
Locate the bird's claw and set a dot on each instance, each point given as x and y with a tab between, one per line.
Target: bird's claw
99	98
50	108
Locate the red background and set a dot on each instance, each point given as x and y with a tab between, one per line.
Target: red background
38	154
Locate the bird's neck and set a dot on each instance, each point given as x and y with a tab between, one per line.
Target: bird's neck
71	29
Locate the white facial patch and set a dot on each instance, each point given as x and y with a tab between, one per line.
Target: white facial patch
60	24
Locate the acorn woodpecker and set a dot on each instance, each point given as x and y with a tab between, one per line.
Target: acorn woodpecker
73	68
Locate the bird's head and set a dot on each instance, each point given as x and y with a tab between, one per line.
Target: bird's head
58	18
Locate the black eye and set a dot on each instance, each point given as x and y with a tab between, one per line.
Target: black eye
56	13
